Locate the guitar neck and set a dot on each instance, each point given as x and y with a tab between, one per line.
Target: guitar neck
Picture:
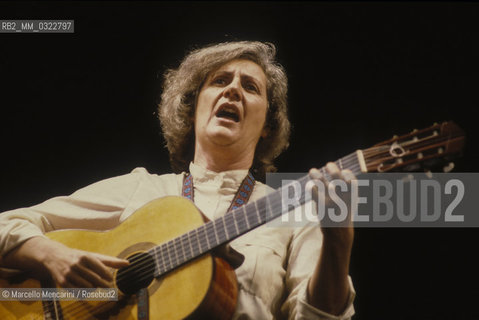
407	153
233	224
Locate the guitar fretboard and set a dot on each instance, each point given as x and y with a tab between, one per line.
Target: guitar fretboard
233	224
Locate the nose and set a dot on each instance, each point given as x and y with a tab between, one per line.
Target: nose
233	91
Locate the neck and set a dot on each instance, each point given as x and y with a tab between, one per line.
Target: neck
223	159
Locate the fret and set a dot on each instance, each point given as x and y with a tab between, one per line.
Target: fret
261	212
356	168
223	218
180	249
180	255
227	227
166	254
158	261
253	218
220	230
194	242
274	205
258	215
203	239
186	243
162	267
347	162
269	214
235	224
171	248
243	208
240	220
230	225
211	234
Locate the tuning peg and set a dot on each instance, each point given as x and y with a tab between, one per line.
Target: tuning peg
449	167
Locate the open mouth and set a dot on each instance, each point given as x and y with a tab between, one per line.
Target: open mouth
228	112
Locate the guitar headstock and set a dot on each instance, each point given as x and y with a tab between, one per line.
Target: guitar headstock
418	150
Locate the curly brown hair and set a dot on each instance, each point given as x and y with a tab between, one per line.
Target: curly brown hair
180	92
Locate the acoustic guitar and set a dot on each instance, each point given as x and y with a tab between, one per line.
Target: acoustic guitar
169	245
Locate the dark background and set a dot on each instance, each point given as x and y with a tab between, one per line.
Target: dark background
77	108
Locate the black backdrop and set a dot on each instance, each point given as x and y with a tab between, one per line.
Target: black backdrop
76	108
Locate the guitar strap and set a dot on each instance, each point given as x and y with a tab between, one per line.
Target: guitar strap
142	305
241	197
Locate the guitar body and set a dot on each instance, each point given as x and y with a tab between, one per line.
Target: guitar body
203	288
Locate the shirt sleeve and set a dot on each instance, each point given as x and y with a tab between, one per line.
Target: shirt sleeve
307	311
302	258
96	207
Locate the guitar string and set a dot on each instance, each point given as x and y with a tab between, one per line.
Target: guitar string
264	218
145	265
180	244
179	248
75	310
81	310
344	162
148	264
417	143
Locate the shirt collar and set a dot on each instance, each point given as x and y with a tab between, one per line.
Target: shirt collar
229	178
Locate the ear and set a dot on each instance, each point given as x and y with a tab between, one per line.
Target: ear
265	132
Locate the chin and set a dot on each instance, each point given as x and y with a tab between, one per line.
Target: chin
223	137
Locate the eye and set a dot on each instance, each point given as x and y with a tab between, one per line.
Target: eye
250	86
219	81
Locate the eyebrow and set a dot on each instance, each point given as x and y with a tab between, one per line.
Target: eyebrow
230	73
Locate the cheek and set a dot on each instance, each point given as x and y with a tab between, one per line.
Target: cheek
199	105
260	114
200	118
201	112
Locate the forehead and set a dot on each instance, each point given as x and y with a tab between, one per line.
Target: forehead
243	67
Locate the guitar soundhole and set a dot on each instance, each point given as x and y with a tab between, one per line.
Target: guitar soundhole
139	274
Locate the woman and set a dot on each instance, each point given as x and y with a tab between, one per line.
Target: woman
223	112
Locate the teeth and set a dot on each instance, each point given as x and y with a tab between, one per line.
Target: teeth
229	109
228	112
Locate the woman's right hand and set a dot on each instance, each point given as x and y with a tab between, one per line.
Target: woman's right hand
69	268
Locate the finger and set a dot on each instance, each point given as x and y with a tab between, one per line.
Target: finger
113	262
91	277
348	175
73	280
333	171
318	178
94	264
315	174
